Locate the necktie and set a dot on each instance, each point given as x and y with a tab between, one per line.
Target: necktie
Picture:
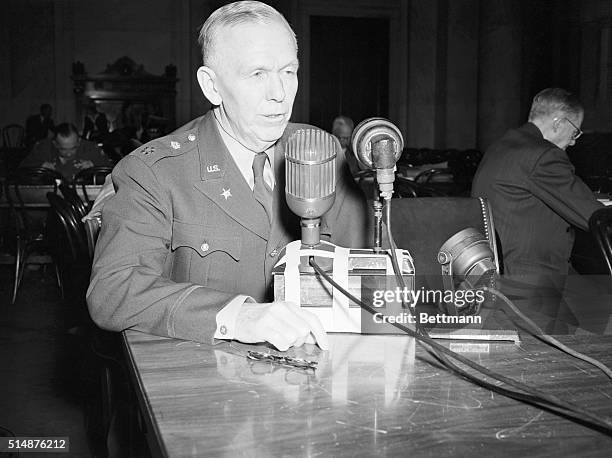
261	191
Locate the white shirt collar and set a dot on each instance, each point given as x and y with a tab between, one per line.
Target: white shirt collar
243	157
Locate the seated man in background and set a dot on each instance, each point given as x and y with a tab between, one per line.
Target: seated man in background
342	128
199	218
535	196
66	153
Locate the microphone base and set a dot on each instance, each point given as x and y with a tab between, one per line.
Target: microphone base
361	272
325	263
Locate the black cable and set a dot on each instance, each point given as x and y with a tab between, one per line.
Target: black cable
539	334
530	396
535	329
542	336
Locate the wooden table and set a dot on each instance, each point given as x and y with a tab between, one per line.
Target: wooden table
371	395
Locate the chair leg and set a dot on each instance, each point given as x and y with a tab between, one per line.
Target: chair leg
24	261
15	278
18	268
58	276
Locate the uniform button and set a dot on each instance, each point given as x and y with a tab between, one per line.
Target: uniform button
204	247
273	253
191	137
223	330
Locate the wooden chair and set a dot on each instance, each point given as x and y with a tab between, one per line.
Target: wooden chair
92	175
12	149
423	225
13	136
67	236
600	226
74	200
65	232
23	190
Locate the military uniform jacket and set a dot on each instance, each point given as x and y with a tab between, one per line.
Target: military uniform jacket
184	235
45	151
536	198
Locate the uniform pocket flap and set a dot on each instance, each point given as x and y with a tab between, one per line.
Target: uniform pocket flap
204	239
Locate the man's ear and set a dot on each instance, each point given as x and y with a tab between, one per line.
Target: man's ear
208	83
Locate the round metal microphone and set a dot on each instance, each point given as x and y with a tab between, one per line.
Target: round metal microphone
370	131
310	177
378	145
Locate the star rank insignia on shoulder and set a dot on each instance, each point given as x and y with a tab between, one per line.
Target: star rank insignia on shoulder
147	149
170	145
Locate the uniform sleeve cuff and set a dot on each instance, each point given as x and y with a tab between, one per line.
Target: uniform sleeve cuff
226	317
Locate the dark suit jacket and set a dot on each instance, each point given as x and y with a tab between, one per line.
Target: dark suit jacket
37	129
536	198
184	235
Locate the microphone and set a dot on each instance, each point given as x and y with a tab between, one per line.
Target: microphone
310	179
378	145
310	191
467	262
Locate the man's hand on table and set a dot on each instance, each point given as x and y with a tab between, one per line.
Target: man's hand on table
283	324
83	164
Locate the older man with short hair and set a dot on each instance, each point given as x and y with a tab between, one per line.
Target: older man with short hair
534	193
187	246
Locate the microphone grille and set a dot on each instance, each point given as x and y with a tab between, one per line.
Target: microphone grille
310	164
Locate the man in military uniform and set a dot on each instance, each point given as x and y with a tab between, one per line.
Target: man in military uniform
187	245
66	153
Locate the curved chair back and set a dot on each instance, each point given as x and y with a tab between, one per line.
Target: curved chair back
71	196
63	225
34	175
422	225
27	187
600	225
13	136
92	175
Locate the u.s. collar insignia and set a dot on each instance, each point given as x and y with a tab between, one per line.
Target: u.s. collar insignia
148	150
212	168
226	193
175	145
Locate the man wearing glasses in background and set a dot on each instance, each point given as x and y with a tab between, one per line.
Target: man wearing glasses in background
535	196
66	153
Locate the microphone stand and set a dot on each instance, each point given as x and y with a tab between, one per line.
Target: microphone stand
378	214
311	241
383	159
